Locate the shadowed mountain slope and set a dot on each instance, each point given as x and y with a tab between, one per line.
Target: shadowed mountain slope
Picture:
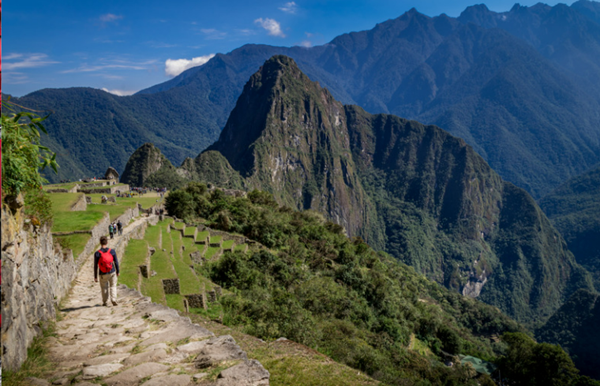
415	191
574	209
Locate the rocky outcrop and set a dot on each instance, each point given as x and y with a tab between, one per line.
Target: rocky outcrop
36	275
145	161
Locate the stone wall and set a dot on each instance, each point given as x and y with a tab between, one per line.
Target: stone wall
36	275
129	214
106	190
80	204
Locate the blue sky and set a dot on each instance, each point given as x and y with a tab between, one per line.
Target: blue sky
127	45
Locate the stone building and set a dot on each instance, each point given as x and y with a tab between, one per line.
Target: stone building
111	174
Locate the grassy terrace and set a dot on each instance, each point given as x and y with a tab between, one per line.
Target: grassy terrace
189	231
135	255
211	251
65	220
74	242
241	247
216	239
227	244
202	235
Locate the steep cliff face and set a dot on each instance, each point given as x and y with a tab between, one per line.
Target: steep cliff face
412	190
289	136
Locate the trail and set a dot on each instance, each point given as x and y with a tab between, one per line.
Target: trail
139	342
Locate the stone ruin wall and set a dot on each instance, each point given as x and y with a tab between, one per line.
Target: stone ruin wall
36	275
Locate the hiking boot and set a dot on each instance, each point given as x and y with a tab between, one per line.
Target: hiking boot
115	303
104	305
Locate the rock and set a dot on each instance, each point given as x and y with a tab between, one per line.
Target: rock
281	340
177	331
199	376
150	356
134	375
170	380
103	370
152	250
36	381
61	381
158	346
103	359
249	373
219	349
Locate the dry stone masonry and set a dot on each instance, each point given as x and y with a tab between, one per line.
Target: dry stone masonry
171	286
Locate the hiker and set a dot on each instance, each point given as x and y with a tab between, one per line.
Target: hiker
120	228
111	230
107	265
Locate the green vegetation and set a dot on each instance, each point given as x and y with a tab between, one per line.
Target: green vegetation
337	295
414	191
216	239
574	209
135	255
75	242
189	231
575	328
227	244
527	363
202	235
22	154
211	252
37	363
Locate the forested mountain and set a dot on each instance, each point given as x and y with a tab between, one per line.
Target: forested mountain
575	328
520	87
412	190
574	209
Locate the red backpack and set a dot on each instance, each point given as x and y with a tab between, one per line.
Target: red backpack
105	263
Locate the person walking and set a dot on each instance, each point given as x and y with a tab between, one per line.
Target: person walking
111	230
106	266
120	228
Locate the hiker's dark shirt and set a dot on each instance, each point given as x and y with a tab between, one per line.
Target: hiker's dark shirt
97	258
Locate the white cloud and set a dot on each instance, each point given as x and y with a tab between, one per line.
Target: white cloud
213	34
272	26
110	17
306	43
174	67
119	92
290	7
111	64
25	61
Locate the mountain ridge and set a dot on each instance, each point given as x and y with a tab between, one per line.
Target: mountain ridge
413	190
370	74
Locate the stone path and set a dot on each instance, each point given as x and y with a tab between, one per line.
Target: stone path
139	342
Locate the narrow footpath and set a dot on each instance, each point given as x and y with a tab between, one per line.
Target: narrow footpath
139	342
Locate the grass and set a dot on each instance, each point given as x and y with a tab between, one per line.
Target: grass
289	363
175	301
176	242
103	187
241	247
190	247
160	262
189	231
211	251
152	236
227	244
202	235
177	225
188	281
67	186
76	221
37	362
62	202
134	256
216	239
214	311
74	242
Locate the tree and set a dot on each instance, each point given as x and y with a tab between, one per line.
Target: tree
22	154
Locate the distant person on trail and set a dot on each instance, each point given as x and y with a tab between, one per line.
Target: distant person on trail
107	265
111	230
120	228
